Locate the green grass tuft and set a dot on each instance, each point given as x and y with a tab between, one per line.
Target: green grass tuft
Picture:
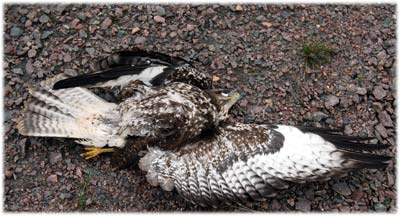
82	193
316	53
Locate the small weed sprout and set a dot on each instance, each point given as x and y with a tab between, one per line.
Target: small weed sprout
316	53
82	193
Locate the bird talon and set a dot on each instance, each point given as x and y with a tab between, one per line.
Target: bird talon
94	151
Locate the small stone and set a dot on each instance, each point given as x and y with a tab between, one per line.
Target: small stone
344	208
65	195
348	130
55	157
303	205
382	57
18	170
28	23
52	179
70	72
380	207
18	71
285	14
381	130
275	205
377	106
172	34
159	19
268	102
44	18
18	102
390	194
160	10
16	32
78	172
379	93
9	173
140	40
135	30
260	18
316	116
361	91
238	8
83	34
46	34
266	24
29	67
106	23
31	53
60	8
385	119
67	58
342	188
357	195
215	78
390	179
90	50
331	101
74	23
290	202
190	27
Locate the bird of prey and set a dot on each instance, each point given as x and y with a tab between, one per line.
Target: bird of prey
152	68
247	162
167	114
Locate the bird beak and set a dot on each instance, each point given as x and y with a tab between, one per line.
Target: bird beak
235	97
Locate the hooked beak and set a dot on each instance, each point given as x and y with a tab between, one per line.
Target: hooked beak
235	97
232	100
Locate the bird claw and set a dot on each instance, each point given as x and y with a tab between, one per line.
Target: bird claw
94	151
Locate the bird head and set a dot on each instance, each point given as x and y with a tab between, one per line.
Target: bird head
223	99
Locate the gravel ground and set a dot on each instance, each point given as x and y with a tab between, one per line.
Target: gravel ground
254	48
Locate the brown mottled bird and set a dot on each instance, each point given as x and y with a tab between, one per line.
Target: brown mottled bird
166	115
249	162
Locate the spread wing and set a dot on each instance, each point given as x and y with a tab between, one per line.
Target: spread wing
245	162
152	68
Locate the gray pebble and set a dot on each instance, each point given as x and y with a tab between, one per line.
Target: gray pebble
67	58
331	101
55	157
18	71
31	53
361	91
160	10
380	207
83	34
90	50
52	179
44	18
379	93
377	106
16	32
382	57
303	205
46	34
385	119
381	130
140	40
342	188
70	72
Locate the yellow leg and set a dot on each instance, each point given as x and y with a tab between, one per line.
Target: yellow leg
94	151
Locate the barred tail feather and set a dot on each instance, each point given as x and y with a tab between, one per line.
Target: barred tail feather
71	113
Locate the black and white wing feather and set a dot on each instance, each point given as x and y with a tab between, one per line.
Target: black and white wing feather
152	68
245	162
